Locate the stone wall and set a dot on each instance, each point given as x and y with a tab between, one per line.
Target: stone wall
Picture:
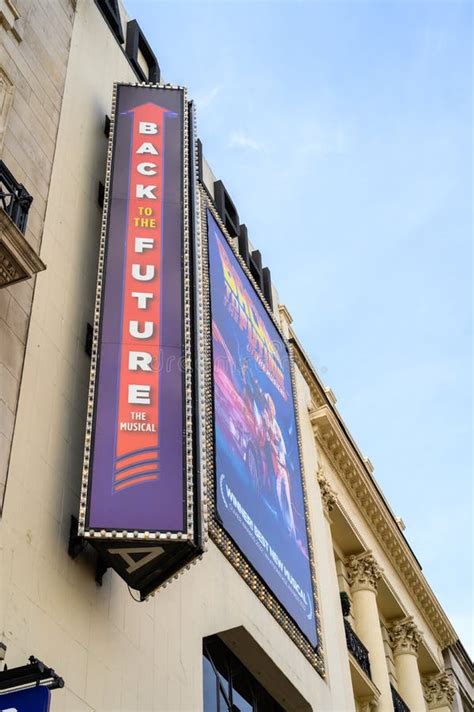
35	37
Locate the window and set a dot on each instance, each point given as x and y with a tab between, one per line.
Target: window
228	685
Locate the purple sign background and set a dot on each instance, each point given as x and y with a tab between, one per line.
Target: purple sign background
157	505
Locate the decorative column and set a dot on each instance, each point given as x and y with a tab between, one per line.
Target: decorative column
364	573
405	638
439	692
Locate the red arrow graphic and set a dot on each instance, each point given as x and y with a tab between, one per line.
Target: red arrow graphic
137	437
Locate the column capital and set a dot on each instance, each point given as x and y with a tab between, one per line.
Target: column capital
363	571
405	637
366	704
328	495
439	691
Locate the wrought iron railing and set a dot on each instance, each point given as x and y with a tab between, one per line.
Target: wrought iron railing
357	648
14	198
398	704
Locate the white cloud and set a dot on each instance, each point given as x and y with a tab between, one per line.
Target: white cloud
240	139
205	98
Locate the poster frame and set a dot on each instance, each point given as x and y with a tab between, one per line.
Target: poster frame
217	532
191	533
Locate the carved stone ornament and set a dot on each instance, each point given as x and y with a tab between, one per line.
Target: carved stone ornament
363	571
328	495
366	704
18	260
405	637
439	691
10	270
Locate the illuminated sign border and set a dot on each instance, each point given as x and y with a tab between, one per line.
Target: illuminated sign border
190	538
217	532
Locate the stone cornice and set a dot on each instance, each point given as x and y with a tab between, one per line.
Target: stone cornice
285	314
316	388
363	572
405	637
439	691
355	475
463	659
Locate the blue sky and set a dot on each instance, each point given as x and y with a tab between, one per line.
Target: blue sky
342	130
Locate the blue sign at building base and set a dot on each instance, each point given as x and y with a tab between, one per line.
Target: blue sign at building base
36	699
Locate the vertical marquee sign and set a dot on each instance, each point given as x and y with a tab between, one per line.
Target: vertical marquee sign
139	485
257	497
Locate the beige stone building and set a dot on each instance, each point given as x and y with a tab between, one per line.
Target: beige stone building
387	644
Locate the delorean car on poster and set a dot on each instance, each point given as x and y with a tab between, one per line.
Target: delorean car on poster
259	494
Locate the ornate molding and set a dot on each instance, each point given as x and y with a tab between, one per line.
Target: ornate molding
355	474
18	261
9	14
330	395
328	496
285	319
439	691
6	99
405	637
366	704
363	572
305	367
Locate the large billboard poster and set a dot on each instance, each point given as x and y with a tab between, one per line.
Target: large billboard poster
258	476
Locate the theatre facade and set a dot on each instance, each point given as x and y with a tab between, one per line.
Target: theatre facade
186	522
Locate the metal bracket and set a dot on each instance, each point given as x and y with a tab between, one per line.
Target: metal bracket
76	546
100	569
34	673
77	543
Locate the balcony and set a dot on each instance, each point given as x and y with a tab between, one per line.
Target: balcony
18	260
366	694
14	198
398	704
357	648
